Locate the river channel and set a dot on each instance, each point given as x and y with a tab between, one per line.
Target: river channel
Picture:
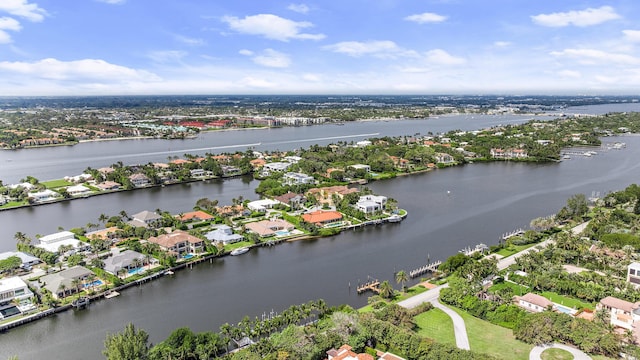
449	209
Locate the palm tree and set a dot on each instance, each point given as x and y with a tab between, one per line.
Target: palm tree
386	290
402	277
103	218
63	288
75	283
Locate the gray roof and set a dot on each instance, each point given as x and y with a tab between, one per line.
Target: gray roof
52	282
26	258
223	233
121	260
146	216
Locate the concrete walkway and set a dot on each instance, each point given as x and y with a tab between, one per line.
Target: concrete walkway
462	341
536	352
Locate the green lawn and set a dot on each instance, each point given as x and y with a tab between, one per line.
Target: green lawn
567	301
512	249
53	184
495	340
517	289
11	204
556	354
436	325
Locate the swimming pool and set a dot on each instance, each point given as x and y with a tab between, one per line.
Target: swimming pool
94	283
135	271
566	310
283	233
187	256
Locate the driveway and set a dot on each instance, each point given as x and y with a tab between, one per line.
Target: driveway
536	352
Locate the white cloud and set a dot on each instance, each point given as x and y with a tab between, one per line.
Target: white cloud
254	82
581	18
569	74
593	57
299	8
272	58
189	41
271	27
113	2
7	23
380	48
312	77
245	52
441	57
165	56
426	18
24	9
632	35
77	70
501	44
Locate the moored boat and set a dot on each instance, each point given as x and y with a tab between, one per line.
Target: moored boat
394	218
239	251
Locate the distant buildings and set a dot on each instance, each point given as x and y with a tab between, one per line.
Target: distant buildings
52	242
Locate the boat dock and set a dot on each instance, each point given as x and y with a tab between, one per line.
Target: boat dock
372	285
433	267
468	251
512	234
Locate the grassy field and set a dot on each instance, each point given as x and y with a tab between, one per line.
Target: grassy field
567	301
494	340
512	249
517	289
556	354
436	325
54	184
11	204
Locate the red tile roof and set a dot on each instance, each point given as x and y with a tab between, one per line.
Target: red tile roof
320	216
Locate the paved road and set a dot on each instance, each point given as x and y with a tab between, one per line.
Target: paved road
462	341
536	352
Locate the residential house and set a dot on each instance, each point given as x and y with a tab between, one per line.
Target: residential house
345	353
400	163
257	163
44	196
197	172
369	204
108	186
322	217
146	219
444	158
230	210
364	167
272	167
633	274
262	205
534	303
508	153
363	143
179	242
139	180
294	178
78	190
622	313
128	260
290	199
27	260
266	228
15	297
223	234
25	185
52	242
292	159
195	216
61	284
109	233
228	170
325	194
79	178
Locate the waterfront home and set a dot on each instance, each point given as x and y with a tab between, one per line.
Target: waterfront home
399	163
269	168
15	297
261	205
363	143
223	234
633	274
370	204
25	185
364	167
622	313
266	228
294	178
534	302
228	170
508	153
444	158
27	260
179	242
230	210
78	190
139	180
197	172
322	217
79	178
44	196
108	185
290	199
52	242
62	284
195	216
127	260
109	233
257	163
3	199
146	219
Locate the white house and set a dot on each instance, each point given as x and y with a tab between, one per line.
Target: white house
15	297
363	143
624	314
262	205
78	190
24	185
275	166
223	234
371	203
27	260
44	196
294	178
146	219
139	180
534	303
364	167
52	242
633	273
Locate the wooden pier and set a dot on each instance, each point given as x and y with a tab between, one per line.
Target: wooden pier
433	267
468	251
373	285
512	234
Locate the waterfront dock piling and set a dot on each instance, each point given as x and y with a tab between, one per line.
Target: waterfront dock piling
433	267
372	285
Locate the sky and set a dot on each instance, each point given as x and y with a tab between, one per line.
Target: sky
217	47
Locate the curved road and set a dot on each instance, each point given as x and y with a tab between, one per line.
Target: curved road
536	352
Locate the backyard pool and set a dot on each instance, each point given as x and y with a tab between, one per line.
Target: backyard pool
187	256
94	283
135	271
566	310
283	233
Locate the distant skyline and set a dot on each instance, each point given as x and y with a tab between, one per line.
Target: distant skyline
148	47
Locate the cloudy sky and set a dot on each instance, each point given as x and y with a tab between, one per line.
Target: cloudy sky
96	47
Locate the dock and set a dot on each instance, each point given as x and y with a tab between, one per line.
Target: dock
518	232
433	267
480	248
373	285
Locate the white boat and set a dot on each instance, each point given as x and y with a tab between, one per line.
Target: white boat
394	218
111	294
239	251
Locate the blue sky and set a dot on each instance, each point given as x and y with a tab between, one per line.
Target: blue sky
121	47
